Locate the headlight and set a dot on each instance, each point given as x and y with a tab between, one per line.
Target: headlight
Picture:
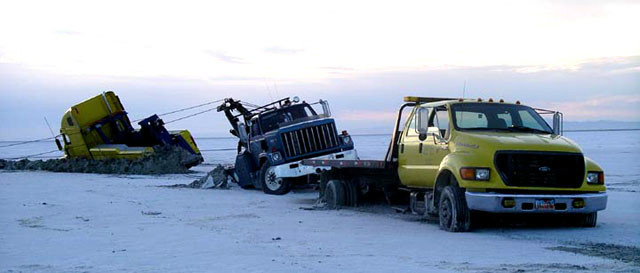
595	177
276	156
481	174
346	139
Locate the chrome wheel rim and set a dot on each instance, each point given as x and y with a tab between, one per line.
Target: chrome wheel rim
272	181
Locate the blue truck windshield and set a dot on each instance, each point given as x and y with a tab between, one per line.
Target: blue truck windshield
272	120
498	117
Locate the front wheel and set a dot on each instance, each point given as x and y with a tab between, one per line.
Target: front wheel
453	211
271	183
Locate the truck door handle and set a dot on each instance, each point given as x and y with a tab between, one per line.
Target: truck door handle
420	149
402	148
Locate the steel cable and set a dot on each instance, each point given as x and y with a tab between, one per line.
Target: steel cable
28	141
192	115
32	155
184	109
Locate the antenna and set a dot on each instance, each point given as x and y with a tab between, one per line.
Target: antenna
50	130
53	135
464	89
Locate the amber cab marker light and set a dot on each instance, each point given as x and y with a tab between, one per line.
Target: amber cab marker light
490	99
468	173
517	102
479	99
501	100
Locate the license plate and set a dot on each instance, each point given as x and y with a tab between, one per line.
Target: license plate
546	204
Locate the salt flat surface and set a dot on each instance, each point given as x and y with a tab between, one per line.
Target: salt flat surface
61	222
58	222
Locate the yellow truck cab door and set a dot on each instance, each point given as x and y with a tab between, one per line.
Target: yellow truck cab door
411	157
435	146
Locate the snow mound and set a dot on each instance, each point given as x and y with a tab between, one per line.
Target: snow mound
216	178
164	160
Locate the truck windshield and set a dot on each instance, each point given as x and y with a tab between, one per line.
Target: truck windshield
273	120
498	117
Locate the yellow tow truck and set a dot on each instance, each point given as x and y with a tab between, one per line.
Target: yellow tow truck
457	157
99	128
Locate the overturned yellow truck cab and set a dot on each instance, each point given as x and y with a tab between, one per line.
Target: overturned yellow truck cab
99	128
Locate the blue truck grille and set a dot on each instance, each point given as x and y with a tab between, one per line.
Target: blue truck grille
310	140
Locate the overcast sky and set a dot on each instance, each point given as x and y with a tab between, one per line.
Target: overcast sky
579	57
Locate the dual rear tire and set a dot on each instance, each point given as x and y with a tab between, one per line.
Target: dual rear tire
338	194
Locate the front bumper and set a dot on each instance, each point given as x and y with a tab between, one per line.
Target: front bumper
296	169
526	203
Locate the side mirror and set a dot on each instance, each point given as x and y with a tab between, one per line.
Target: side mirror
557	123
58	144
422	131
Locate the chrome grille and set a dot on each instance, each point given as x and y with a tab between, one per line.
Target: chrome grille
309	140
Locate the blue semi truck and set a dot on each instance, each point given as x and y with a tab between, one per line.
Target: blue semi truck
274	138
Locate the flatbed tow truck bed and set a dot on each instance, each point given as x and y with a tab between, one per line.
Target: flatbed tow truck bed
356	180
342	164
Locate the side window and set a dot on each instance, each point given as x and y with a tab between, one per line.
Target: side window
442	118
441	121
412	130
255	129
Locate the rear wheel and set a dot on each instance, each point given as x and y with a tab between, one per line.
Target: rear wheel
334	194
271	183
452	210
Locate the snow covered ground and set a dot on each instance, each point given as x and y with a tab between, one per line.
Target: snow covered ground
60	222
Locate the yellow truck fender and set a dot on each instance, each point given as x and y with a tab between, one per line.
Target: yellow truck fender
592	165
456	160
447	171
